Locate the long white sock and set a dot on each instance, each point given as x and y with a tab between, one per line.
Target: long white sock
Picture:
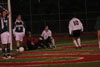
79	41
53	42
99	44
75	43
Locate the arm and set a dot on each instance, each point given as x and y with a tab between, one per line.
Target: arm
23	28
81	25
82	28
14	29
50	33
0	25
42	34
41	37
70	28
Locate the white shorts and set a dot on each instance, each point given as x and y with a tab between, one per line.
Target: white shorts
19	36
5	38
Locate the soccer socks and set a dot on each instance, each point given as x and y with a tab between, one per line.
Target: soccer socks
8	49
75	43
99	44
6	54
79	41
3	51
53	43
17	47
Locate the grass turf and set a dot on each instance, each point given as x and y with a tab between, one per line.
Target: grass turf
60	43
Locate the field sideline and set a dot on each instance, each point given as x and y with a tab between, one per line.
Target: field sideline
65	55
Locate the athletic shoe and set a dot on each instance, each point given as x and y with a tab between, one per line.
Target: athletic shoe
17	50
9	56
53	46
76	47
5	57
80	46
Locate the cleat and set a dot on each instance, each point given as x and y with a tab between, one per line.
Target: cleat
9	56
80	46
5	57
76	47
53	46
17	50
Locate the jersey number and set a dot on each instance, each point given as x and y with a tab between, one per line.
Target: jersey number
75	23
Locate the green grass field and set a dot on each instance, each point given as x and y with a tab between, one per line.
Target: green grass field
59	43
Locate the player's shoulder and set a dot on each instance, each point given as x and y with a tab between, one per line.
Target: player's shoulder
43	31
49	30
75	18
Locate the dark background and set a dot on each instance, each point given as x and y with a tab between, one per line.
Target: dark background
56	14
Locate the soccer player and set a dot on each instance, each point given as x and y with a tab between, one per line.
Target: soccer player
47	37
75	29
97	27
32	43
5	35
19	31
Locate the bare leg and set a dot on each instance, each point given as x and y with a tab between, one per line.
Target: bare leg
75	42
53	42
18	44
79	41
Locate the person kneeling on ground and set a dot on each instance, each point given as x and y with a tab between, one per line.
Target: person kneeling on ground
32	43
47	38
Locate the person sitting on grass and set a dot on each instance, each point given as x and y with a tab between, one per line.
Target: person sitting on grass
47	38
32	43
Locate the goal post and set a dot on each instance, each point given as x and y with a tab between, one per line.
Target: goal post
10	21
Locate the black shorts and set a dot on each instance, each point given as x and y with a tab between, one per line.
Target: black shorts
48	40
76	33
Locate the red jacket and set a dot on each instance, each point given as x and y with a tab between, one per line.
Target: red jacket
31	39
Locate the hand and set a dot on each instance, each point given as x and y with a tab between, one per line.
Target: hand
23	35
14	35
32	43
40	38
70	35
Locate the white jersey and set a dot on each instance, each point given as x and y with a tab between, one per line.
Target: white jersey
75	24
47	34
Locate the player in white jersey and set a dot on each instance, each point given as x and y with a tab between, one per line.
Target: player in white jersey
47	37
19	31
75	29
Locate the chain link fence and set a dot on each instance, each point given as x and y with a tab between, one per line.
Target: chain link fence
56	14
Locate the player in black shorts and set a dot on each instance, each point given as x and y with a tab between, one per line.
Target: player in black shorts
75	29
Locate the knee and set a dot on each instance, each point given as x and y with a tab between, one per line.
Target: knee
52	38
